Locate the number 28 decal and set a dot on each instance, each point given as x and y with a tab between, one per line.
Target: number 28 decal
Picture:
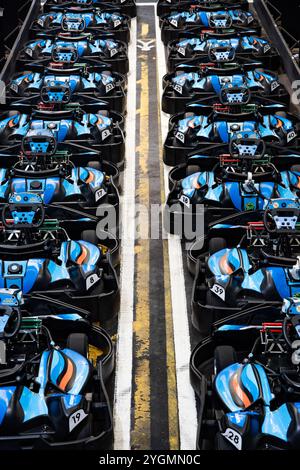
234	437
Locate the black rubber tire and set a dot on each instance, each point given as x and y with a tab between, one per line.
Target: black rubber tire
78	342
216	244
224	356
94	165
89	236
192	169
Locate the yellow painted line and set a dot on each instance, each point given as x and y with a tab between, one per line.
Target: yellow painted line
174	439
145	30
141	428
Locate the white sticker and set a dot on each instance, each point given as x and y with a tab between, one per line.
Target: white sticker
290	136
14	87
113	52
234	437
106	133
267	48
219	291
76	418
174	22
29	51
92	280
185	200
40	22
99	194
250	19
109	87
117	23
180	136
274	85
181	50
178	88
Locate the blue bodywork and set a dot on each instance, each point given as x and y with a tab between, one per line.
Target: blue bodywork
217	19
79	22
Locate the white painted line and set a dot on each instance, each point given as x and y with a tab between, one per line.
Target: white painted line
124	353
150	4
186	397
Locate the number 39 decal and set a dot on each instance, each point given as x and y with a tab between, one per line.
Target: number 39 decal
219	291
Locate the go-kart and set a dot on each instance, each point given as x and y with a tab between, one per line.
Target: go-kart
167	6
246	264
44	129
191	83
248	383
199	18
65	50
37	256
234	117
126	6
56	87
70	193
78	20
52	384
226	183
225	47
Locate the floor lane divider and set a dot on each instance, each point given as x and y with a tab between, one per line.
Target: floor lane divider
124	351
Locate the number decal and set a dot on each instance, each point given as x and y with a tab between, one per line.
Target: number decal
117	23
113	52
100	193
275	85
174	22
14	87
219	291
234	437
178	88
109	87
29	51
180	136
291	135
92	281
267	48
181	50
40	22
76	418
185	200
106	133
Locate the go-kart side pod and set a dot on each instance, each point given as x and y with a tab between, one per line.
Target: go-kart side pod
100	435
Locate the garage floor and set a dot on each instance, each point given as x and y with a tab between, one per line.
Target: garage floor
154	403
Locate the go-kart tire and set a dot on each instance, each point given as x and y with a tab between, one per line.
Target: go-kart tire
216	244
90	236
192	169
95	165
224	356
78	342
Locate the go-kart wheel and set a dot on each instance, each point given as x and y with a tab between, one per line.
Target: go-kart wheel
295	168
78	342
216	244
94	165
192	169
224	356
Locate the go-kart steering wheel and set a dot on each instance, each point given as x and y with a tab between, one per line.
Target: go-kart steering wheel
281	219
221	54
10	322
247	148
220	21
235	95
